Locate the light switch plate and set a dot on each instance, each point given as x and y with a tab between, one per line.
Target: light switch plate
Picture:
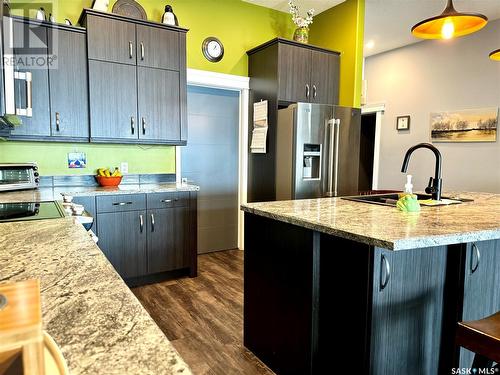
124	167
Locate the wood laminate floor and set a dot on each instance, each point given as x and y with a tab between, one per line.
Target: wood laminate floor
203	316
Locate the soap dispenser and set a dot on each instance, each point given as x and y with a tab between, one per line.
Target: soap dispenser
169	18
408	185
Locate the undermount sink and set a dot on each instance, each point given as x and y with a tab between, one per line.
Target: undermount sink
391	199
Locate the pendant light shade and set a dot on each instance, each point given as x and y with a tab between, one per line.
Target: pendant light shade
495	55
449	24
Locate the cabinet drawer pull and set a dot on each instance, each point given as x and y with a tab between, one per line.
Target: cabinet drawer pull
58	121
314	91
152	222
166	201
307	91
143	126
478	258
142	51
132	124
121	203
131	49
384	264
141	223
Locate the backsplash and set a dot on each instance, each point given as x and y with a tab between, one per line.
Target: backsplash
52	158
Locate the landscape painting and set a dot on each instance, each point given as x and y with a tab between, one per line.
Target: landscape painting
470	125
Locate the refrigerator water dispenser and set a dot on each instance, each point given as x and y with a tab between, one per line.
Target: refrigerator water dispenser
312	162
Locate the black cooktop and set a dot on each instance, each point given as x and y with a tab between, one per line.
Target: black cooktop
21	211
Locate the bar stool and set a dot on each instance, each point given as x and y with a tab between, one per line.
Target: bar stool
483	338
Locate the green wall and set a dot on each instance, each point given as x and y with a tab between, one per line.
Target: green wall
52	157
342	28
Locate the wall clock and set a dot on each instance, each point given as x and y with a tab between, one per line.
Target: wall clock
212	49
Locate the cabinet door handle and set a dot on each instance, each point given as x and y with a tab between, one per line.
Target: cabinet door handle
152	222
307	91
141	223
166	201
478	258
27	77
143	126
314	91
121	203
384	264
132	124
131	49
142	51
58	121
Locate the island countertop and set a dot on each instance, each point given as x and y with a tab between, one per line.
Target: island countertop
387	227
92	315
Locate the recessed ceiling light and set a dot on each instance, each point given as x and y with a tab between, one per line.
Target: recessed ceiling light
370	44
495	55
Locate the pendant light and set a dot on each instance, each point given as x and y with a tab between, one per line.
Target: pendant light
449	24
495	55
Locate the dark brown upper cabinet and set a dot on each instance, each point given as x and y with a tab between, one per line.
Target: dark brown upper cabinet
52	98
69	95
111	40
113	101
307	75
137	80
298	72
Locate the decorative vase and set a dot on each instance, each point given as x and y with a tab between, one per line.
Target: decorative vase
301	34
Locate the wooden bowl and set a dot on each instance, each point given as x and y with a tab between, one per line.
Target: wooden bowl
108	181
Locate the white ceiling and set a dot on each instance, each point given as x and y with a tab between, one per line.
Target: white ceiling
388	22
304	5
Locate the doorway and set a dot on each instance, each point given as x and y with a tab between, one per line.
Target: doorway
367	151
211	160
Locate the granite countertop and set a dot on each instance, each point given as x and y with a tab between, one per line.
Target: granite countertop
54	193
93	316
387	227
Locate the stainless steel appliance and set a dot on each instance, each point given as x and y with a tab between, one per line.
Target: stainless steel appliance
317	151
7	76
22	211
19	176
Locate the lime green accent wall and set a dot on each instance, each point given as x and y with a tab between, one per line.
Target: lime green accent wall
52	157
341	28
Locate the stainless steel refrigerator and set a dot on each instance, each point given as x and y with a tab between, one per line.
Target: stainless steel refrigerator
317	151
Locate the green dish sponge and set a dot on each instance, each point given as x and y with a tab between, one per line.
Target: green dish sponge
408	203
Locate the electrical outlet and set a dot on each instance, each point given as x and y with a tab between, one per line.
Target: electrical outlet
124	167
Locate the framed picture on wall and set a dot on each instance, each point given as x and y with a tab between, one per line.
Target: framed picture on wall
403	122
468	125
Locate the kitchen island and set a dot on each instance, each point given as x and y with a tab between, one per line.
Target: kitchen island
356	287
92	315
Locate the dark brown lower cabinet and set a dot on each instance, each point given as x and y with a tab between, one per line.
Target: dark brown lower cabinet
167	238
147	237
481	272
122	239
317	304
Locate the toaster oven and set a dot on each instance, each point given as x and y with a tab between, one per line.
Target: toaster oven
19	176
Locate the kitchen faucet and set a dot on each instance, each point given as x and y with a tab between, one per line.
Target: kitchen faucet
435	183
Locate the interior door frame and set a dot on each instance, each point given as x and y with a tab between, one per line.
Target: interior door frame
240	84
378	109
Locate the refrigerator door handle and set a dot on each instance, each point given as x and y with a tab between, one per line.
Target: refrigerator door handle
330	129
336	126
